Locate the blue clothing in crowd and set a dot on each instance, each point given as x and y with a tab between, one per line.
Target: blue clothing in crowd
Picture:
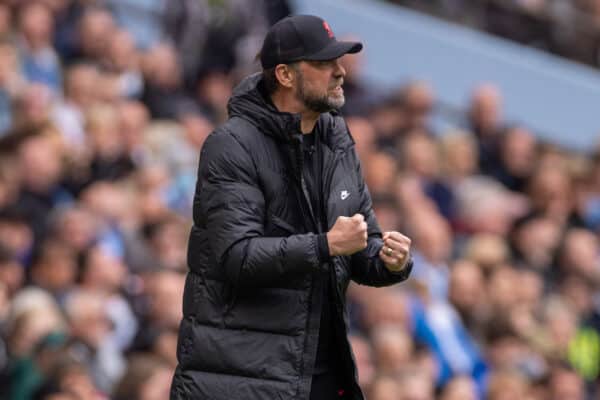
438	326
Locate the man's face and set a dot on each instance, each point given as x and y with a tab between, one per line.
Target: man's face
319	85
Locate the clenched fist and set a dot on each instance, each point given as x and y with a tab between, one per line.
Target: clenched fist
395	251
347	236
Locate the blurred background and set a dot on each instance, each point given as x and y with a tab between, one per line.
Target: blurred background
477	125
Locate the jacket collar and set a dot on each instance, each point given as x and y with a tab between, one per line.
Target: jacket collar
250	102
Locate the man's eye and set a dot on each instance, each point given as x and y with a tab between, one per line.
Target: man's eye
320	63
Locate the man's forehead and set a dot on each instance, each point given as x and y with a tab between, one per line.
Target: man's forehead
314	63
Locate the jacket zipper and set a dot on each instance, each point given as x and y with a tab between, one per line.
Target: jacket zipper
300	178
305	204
308	203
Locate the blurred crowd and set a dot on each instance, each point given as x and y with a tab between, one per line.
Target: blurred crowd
104	105
503	302
569	28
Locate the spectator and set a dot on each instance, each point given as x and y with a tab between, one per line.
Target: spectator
485	206
518	148
187	24
417	103
420	156
507	385
11	82
33	316
565	384
364	136
416	384
392	348
467	293
146	378
166	238
90	330
549	190
12	273
67	379
142	19
387	307
214	90
109	158
578	255
161	320
364	362
33	105
432	249
16	234
487	251
385	388
134	118
40	161
380	173
163	92
460	157
535	240
460	388
54	268
438	325
485	121
81	81
94	33
6	17
39	60
124	62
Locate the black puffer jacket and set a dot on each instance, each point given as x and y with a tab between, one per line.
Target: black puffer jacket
253	294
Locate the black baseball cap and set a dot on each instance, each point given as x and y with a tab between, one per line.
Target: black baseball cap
302	37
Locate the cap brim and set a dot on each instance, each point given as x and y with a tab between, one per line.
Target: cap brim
335	50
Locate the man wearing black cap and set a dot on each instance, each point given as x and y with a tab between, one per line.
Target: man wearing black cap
282	222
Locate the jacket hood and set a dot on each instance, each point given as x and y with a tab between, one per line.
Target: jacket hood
250	102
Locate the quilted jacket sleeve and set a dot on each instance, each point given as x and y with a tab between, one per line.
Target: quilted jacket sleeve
367	267
230	203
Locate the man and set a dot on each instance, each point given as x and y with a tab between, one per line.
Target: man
282	222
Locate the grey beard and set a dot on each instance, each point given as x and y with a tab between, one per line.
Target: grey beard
323	104
318	104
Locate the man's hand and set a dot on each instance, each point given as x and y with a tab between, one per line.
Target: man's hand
395	251
347	236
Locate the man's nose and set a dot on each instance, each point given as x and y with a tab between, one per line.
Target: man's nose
339	70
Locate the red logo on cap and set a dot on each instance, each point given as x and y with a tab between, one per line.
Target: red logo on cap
328	29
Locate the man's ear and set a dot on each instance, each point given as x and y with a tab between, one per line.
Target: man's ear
285	74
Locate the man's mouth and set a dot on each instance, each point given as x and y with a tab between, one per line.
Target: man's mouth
337	89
